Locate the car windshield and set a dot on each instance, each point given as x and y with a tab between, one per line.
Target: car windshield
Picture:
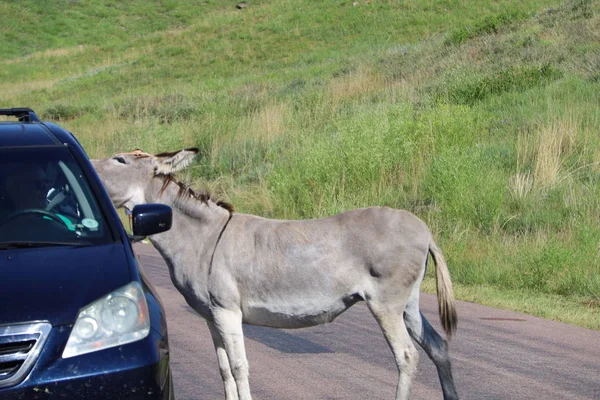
45	200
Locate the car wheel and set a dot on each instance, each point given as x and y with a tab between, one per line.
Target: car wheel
171	390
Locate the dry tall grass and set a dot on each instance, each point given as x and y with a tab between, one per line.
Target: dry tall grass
521	185
542	157
49	53
353	85
266	124
10	89
554	142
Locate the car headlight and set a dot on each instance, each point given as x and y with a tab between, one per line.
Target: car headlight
116	319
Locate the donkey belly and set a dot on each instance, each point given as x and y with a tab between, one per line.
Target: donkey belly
299	313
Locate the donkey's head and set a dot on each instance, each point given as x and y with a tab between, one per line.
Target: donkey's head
131	177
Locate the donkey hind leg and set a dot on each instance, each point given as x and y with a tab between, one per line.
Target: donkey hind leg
231	392
434	345
405	353
228	324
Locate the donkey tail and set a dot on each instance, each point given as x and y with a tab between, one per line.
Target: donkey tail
445	294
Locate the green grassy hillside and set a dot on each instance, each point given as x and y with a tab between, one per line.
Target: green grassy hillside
483	118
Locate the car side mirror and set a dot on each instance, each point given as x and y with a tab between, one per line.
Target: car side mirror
149	219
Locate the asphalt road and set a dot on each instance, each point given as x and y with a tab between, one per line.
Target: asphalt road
496	355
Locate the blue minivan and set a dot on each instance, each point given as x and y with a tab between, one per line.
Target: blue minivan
78	317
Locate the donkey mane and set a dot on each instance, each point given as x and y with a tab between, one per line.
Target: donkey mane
186	190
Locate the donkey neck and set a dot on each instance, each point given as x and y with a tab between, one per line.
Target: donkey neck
199	220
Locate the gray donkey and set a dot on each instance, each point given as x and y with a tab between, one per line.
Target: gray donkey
237	268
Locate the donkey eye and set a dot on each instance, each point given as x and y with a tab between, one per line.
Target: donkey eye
120	159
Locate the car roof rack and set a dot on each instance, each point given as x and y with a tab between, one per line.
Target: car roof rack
24	114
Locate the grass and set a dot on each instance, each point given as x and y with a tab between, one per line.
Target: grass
489	24
482	118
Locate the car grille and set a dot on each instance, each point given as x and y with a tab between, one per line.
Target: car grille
20	346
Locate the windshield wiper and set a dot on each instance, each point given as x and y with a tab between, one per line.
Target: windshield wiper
30	245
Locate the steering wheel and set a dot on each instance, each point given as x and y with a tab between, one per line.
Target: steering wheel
33	211
57	198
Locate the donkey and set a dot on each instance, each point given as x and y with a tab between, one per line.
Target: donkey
235	268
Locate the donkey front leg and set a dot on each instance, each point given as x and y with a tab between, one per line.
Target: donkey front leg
228	324
231	392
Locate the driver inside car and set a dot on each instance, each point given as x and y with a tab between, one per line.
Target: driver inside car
25	187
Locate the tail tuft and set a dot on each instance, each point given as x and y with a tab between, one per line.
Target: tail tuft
445	294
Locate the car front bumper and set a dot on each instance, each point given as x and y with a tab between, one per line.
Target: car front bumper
138	370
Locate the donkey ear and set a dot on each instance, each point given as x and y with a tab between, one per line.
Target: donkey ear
168	163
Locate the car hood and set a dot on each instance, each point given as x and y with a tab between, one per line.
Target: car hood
54	283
